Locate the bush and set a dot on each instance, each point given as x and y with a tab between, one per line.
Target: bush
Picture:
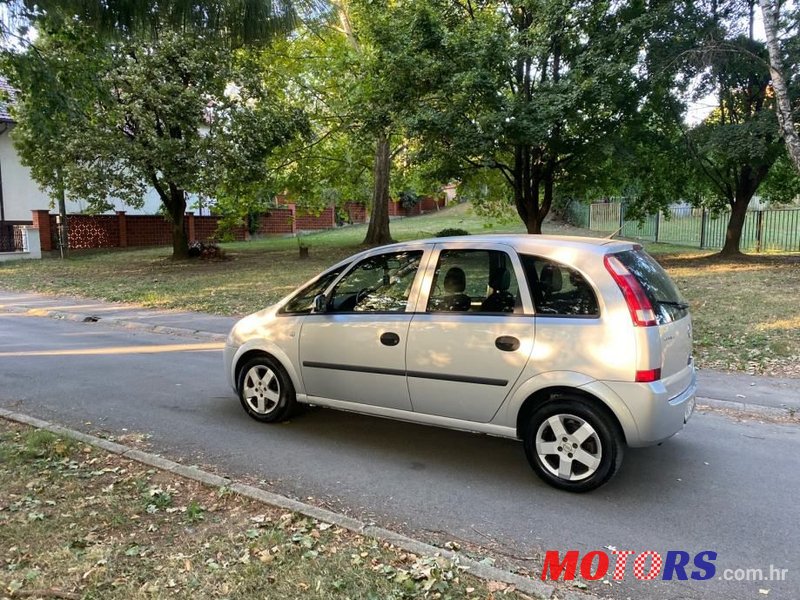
409	199
451	231
206	251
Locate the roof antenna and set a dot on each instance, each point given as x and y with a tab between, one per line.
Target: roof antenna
610	237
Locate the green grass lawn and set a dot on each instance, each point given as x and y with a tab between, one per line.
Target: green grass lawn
77	522
746	315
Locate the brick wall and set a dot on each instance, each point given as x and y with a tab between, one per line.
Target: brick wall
396	209
91	231
205	228
429	203
279	220
356	212
426	204
121	230
306	220
41	220
145	230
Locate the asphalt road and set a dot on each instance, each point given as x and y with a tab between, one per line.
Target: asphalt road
721	485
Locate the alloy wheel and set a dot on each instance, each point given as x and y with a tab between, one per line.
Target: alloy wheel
568	447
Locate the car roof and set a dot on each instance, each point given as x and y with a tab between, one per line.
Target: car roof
529	242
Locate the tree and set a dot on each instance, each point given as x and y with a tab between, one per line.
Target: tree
377	104
49	107
233	22
722	161
534	90
733	150
770	10
353	102
319	69
180	114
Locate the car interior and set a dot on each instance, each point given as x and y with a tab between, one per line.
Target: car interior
474	281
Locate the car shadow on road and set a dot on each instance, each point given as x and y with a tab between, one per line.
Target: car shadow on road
423	455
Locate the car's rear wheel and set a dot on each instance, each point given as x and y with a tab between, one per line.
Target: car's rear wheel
265	390
573	445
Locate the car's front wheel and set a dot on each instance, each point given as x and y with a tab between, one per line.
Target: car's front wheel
572	445
265	390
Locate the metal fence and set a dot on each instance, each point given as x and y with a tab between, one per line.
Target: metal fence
765	230
11	238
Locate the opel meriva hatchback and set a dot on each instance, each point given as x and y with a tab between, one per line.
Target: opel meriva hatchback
577	346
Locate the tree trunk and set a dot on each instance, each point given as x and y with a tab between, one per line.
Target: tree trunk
528	209
733	233
747	182
177	209
769	11
378	230
533	223
526	200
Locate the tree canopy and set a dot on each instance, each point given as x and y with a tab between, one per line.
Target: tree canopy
179	114
522	102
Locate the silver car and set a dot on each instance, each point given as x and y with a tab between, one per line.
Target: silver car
576	346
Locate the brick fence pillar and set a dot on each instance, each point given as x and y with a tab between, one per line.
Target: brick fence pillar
123	229
190	226
41	220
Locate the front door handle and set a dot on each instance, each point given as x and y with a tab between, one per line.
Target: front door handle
507	343
390	339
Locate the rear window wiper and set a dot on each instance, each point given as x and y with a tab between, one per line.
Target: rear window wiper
681	305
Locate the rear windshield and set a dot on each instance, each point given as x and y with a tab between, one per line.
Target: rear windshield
667	301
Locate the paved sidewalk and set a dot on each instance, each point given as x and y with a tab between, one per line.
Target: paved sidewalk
126	315
750	393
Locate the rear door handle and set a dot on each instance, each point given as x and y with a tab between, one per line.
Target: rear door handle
507	343
390	339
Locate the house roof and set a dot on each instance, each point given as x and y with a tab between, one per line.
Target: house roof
7	94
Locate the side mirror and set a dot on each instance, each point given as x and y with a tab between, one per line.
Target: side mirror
320	303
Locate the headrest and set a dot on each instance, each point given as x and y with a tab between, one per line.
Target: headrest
551	278
500	280
455	282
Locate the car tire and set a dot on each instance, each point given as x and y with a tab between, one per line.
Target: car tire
573	445
265	390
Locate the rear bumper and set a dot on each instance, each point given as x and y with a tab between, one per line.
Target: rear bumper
657	415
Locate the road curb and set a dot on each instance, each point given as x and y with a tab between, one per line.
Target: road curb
537	589
744	407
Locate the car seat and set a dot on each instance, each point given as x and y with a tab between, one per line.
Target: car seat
500	300
551	280
455	282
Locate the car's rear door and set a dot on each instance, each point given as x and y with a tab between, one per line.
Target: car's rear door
472	333
355	350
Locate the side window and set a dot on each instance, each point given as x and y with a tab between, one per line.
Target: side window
481	281
377	284
558	290
303	300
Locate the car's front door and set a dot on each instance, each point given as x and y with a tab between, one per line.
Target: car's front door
355	350
472	333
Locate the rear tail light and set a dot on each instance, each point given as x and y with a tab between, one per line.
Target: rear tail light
648	376
641	310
